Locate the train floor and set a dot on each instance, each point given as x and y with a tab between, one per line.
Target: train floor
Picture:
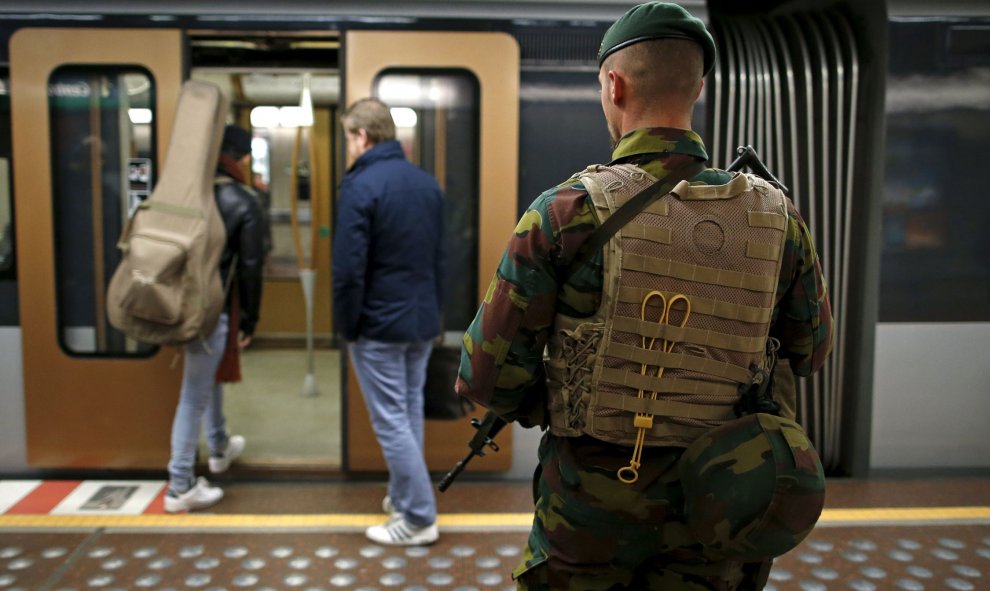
59	535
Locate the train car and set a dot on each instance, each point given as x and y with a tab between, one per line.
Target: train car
872	113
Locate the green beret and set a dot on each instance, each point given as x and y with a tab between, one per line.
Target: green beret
657	20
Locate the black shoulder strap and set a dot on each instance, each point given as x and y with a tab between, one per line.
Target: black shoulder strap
629	210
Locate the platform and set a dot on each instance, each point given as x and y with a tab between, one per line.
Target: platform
61	535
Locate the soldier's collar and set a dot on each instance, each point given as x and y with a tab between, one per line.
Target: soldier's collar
653	140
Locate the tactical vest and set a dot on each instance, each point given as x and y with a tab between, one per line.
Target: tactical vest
689	288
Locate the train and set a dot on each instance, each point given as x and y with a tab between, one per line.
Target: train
873	113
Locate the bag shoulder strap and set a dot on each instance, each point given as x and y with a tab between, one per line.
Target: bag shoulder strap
630	209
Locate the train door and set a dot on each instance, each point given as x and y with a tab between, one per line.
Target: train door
91	111
455	99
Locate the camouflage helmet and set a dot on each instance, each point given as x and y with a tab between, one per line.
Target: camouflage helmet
754	487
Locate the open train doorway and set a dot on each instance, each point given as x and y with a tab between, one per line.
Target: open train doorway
285	90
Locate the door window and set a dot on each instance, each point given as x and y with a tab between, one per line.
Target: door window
102	165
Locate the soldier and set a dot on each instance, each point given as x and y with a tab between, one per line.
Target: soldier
655	345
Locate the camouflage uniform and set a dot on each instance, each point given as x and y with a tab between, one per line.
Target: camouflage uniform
590	530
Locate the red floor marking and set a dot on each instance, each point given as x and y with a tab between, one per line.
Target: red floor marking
157	506
44	498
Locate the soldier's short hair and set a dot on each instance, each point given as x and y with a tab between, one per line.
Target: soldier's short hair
371	115
665	70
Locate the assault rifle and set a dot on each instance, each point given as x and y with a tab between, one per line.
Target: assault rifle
491	424
487	428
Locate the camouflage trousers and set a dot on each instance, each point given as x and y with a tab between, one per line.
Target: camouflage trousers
592	532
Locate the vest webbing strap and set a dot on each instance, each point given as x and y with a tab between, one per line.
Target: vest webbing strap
665	407
706	306
171	208
665	385
739	184
763	250
766	219
703	365
699	274
696	336
649	233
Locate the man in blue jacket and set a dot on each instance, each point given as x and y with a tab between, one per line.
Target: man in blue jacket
388	263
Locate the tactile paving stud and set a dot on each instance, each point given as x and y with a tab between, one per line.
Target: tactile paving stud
236	552
779	574
959	585
439	579
147	581
160	563
855	556
253	563
820	546
440	562
825	574
910	585
296	580
146	552
488	562
393	562
919	572
873	572
909	544
372	551
392	579
343	580
490	579
944	554
326	552
190	551
300	562
346	563
864	545
900	556
56	552
245	580
809	558
508	550
20	563
100	552
10	552
417	551
967	571
952	543
282	552
7	579
113	564
198	580
462	551
99	580
861	585
207	563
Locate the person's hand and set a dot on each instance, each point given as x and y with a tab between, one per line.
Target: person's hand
244	341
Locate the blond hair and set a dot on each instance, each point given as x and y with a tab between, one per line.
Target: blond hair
371	115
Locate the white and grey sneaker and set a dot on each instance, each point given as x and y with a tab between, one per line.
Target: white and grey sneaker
235	447
200	496
399	532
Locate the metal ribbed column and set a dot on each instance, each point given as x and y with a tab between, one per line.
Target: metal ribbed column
788	85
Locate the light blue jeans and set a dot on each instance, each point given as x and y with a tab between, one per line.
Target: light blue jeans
392	377
201	396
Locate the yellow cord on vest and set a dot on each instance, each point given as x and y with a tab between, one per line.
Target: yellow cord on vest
644	421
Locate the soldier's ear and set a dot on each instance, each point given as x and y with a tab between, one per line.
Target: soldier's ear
616	87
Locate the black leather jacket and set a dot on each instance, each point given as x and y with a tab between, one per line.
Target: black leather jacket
242	219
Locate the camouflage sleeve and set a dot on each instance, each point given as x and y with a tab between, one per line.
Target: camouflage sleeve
803	317
502	356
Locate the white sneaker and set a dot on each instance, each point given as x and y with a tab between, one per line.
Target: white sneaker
235	447
387	505
399	532
200	496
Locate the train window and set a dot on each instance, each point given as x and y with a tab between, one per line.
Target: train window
102	155
6	184
436	115
935	266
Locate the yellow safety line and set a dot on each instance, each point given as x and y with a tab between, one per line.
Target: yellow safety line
905	514
455	520
208	520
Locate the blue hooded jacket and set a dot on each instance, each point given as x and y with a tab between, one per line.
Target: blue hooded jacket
388	250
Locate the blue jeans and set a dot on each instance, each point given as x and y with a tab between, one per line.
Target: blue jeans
392	377
201	396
